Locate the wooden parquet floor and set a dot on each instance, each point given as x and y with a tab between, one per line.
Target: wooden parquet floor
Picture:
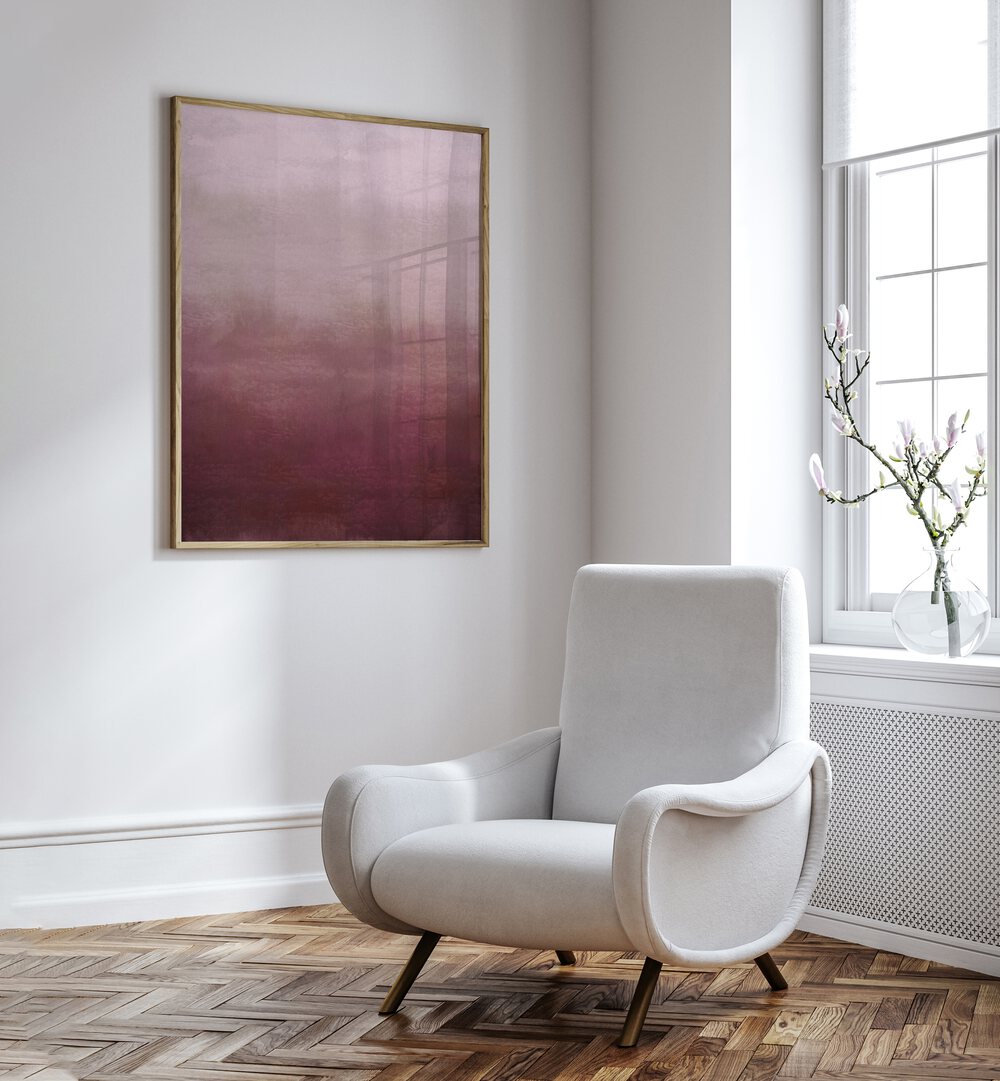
294	994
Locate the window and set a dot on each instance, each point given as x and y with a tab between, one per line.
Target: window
912	249
928	328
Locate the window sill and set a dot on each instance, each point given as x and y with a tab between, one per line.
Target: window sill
979	670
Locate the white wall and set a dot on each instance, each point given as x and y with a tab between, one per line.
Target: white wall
706	282
661	281
144	690
776	287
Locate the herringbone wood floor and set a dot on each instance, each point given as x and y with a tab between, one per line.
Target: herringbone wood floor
294	994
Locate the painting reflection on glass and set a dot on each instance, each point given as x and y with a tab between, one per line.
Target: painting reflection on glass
329	347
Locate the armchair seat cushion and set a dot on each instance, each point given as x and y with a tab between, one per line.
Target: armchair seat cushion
512	882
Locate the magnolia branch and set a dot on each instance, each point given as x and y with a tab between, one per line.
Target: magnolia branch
914	467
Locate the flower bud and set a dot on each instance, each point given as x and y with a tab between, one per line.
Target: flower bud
955	491
951	435
816	470
843	321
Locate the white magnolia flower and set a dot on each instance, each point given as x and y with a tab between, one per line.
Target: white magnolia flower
955	491
842	424
816	470
952	433
843	321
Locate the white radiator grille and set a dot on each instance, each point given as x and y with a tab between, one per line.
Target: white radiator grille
915	825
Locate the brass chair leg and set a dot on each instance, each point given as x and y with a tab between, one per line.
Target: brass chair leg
640	1003
566	957
771	972
411	970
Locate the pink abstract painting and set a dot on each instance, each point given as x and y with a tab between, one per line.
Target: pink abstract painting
329	343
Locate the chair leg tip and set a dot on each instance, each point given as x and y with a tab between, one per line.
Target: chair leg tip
770	971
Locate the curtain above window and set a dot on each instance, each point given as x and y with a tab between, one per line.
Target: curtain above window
903	74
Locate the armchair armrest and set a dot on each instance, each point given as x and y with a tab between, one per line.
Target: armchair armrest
369	807
720	872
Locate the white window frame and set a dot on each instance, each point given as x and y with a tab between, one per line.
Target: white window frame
847	616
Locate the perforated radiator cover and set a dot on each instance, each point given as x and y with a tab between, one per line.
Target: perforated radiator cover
915	823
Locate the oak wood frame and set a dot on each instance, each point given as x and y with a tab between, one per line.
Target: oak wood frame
176	540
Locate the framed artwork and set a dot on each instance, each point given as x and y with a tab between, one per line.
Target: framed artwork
329	329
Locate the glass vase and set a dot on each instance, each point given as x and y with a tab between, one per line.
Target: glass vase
940	612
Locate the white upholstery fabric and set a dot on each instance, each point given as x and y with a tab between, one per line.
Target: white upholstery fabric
712	874
369	807
540	884
680	811
676	674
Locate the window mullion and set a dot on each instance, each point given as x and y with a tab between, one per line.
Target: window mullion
935	321
856	467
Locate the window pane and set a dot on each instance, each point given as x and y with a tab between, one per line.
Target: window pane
961	211
971	541
962	321
958	150
901	221
897	161
893	403
956	396
895	539
896	544
901	328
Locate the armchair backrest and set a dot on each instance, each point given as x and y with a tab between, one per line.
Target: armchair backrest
677	674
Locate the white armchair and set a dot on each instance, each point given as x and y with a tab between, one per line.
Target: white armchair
679	809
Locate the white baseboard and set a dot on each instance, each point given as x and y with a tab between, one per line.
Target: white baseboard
82	872
974	956
168	902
